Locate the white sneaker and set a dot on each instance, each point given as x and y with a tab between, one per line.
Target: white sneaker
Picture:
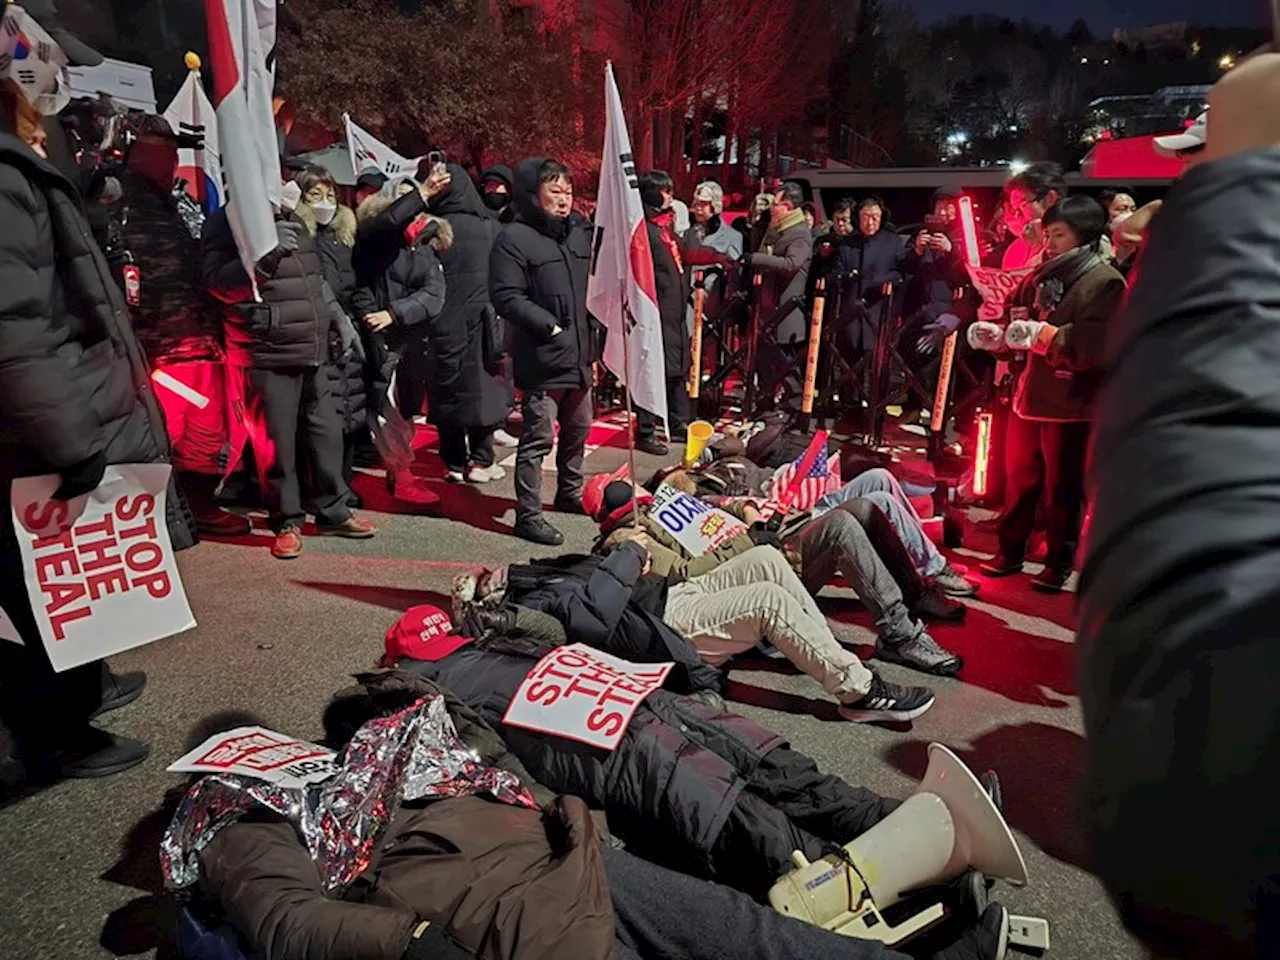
497	473
481	474
454	476
504	439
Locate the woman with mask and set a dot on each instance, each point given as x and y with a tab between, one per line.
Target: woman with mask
334	228
1057	330
74	398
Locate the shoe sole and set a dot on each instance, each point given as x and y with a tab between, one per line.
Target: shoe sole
1001	572
885	716
117	704
347	534
968	594
82	773
947	669
286	556
1002	947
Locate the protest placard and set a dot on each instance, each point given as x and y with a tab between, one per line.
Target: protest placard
995	286
696	525
582	694
100	569
260	753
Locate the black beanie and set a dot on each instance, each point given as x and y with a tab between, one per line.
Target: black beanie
616	495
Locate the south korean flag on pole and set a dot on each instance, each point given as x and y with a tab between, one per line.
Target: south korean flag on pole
367	152
31	59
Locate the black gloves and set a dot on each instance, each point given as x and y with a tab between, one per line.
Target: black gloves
431	942
83	478
287	234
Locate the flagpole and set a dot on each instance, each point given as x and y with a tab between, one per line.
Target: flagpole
631	430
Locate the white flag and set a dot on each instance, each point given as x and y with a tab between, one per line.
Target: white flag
246	129
367	152
191	114
621	293
32	60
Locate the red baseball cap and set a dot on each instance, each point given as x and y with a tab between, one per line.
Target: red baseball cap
423	633
593	490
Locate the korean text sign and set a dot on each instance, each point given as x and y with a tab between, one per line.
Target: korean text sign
696	525
260	753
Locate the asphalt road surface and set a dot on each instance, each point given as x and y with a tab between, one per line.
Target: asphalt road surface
275	639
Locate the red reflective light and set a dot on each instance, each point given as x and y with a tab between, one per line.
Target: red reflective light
982	454
192	396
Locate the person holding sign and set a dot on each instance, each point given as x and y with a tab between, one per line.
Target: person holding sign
727	594
74	399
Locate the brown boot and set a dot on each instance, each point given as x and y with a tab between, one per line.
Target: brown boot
288	545
352	528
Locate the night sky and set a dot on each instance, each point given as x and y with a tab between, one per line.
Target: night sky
1104	15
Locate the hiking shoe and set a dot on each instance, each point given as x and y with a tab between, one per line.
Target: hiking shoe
887	702
934	605
504	439
988	939
569	504
652	446
537	530
352	528
1000	566
120	690
921	652
1051	580
100	755
950	582
288	545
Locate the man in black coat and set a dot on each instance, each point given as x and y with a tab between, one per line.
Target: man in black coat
280	343
538	283
672	285
75	397
468	395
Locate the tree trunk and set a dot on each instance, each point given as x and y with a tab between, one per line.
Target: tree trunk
661	140
695	157
675	145
644	151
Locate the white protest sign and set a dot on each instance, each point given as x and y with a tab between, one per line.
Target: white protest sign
995	286
582	694
696	525
100	570
260	753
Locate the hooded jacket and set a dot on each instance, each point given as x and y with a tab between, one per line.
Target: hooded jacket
501	172
538	274
74	383
1177	642
507	883
462	389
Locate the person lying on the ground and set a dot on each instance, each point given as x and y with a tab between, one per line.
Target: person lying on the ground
471	859
718	606
729	483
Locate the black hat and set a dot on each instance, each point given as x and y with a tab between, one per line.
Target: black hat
296	164
79	53
372	179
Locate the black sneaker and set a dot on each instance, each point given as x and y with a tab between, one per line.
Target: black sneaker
1000	566
1051	580
887	702
934	605
652	446
988	939
921	652
120	690
536	530
101	755
569	504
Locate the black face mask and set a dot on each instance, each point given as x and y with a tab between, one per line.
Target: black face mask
495	201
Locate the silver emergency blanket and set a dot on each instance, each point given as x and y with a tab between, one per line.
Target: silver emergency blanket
410	755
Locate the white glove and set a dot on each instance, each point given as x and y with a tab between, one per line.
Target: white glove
985	335
1022	334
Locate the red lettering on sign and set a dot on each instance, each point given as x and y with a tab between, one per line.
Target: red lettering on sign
147	530
144	557
543	693
613	694
62	539
579	685
608	722
106	526
143	504
40	515
101	584
63	563
157	584
58	622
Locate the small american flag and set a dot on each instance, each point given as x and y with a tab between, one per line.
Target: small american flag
823	478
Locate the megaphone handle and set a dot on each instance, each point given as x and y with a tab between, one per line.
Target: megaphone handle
1029	933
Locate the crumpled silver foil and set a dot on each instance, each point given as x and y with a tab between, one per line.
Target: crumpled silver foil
410	755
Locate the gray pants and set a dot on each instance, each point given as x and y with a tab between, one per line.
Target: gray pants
659	913
542	410
835	542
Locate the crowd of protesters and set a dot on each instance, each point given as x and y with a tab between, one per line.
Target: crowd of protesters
440	298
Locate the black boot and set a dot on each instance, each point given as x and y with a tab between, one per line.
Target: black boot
535	529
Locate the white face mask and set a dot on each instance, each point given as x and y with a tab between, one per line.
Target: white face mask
324	212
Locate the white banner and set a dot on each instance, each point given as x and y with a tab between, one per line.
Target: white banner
621	292
367	152
995	286
100	570
583	694
192	114
696	525
262	754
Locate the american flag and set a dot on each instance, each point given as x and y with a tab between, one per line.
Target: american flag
823	478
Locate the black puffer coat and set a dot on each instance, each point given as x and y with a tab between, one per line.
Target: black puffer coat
672	286
74	383
461	390
289	328
537	281
335	243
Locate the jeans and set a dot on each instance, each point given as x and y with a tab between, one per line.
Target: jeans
756	596
542	410
659	914
464	446
677	412
1046	458
838	541
285	405
883	489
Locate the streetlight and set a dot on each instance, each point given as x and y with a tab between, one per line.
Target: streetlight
1226	61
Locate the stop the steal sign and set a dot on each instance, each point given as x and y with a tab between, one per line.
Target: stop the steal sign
262	754
583	694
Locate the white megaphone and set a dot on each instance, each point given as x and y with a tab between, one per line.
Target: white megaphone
947	826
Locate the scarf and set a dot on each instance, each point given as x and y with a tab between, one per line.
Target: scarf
1055	277
786	223
665	221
